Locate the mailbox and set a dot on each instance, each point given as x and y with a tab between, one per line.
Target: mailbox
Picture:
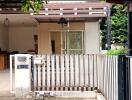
22	74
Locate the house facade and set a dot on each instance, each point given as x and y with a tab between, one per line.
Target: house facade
46	33
80	34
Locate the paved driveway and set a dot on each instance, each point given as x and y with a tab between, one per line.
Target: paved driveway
4	82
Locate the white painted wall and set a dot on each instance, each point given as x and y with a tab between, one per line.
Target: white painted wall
21	38
3	37
92	40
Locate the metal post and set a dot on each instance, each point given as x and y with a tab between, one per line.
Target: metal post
129	47
121	78
108	29
124	87
130	28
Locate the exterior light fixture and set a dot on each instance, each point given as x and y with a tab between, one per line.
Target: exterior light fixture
6	21
62	21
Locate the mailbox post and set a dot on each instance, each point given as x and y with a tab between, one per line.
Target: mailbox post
22	75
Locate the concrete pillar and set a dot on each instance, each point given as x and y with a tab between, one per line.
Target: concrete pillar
92	38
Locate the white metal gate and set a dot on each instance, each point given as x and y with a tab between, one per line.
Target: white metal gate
76	73
65	72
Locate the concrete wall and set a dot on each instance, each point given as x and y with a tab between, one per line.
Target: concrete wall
92	38
21	38
3	37
44	43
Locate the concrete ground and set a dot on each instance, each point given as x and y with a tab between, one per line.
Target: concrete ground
5	85
5	89
4	82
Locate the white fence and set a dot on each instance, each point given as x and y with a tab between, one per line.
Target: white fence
76	73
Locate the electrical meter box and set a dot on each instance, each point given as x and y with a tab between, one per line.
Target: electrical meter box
22	74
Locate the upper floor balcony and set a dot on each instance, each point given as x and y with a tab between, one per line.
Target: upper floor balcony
75	10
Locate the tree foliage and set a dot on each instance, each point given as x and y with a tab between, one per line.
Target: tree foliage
118	25
33	5
103	27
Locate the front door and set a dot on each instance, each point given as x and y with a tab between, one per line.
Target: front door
55	42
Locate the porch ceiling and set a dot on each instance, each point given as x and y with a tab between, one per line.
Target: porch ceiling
18	19
52	12
53	20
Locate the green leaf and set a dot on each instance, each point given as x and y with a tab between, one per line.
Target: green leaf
34	5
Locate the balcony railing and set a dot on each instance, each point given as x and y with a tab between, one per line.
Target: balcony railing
74	10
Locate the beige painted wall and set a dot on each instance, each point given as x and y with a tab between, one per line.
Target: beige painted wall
21	38
92	38
3	37
44	43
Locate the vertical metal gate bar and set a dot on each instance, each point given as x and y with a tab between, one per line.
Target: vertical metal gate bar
57	73
43	72
39	77
71	71
67	70
95	71
35	77
116	79
86	70
76	71
81	71
48	72
62	72
53	72
91	70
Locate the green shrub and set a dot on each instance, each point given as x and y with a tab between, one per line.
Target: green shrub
120	51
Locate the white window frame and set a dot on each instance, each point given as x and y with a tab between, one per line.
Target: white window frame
66	49
65	31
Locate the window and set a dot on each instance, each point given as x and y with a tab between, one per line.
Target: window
72	42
